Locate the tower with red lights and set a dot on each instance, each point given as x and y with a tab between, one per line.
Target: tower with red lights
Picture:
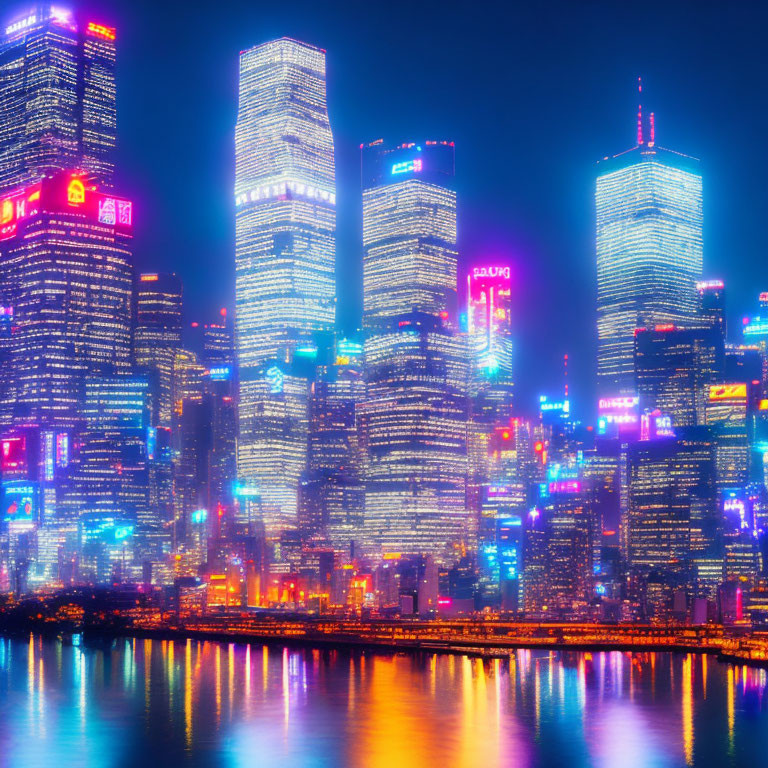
649	250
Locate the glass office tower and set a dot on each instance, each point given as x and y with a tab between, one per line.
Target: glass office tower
157	336
413	431
649	250
57	96
66	276
285	199
409	231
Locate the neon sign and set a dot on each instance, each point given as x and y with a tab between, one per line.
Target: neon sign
124	212
565	486
17	26
108	213
62	450
478	272
617	403
219	373
664	426
408	166
19	502
710	285
727	392
244	491
563	406
75	192
99	30
274	377
49	453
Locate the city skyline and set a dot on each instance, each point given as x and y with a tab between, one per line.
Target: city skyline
482	397
269	450
538	213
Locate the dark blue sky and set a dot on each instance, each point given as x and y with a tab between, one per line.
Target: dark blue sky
532	93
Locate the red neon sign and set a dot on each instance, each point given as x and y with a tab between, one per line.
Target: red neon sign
99	30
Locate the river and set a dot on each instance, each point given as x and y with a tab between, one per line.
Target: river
154	703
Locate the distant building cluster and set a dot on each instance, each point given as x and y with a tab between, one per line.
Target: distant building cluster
269	461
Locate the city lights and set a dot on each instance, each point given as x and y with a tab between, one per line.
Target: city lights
277	471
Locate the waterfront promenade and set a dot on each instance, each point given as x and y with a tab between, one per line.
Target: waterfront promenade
483	637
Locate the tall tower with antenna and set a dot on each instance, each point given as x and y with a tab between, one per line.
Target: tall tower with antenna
649	247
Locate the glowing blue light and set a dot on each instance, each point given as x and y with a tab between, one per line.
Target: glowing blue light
220	373
274	377
407	166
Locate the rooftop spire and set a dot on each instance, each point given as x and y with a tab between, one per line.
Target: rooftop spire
640	111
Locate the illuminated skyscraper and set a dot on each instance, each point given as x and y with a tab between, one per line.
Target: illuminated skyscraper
674	368
285	198
488	320
272	449
332	490
413	433
57	97
712	304
649	250
671	496
409	231
65	270
117	418
157	336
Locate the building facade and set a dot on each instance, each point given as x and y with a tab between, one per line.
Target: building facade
157	336
409	231
285	199
57	97
649	251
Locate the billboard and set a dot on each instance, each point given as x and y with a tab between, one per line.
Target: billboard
64	192
20	501
13	454
727	392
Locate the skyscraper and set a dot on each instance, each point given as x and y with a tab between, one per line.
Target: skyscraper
285	198
409	231
712	304
413	432
65	270
332	491
671	490
157	336
57	97
674	368
649	249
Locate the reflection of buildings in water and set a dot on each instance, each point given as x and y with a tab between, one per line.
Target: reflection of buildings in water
371	710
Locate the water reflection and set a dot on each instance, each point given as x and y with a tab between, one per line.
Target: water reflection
195	703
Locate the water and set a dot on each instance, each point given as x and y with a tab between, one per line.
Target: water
156	703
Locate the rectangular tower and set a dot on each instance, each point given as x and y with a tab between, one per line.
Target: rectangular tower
285	198
285	229
66	275
57	97
649	251
409	231
157	336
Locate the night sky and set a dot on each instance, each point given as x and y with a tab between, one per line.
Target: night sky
532	93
